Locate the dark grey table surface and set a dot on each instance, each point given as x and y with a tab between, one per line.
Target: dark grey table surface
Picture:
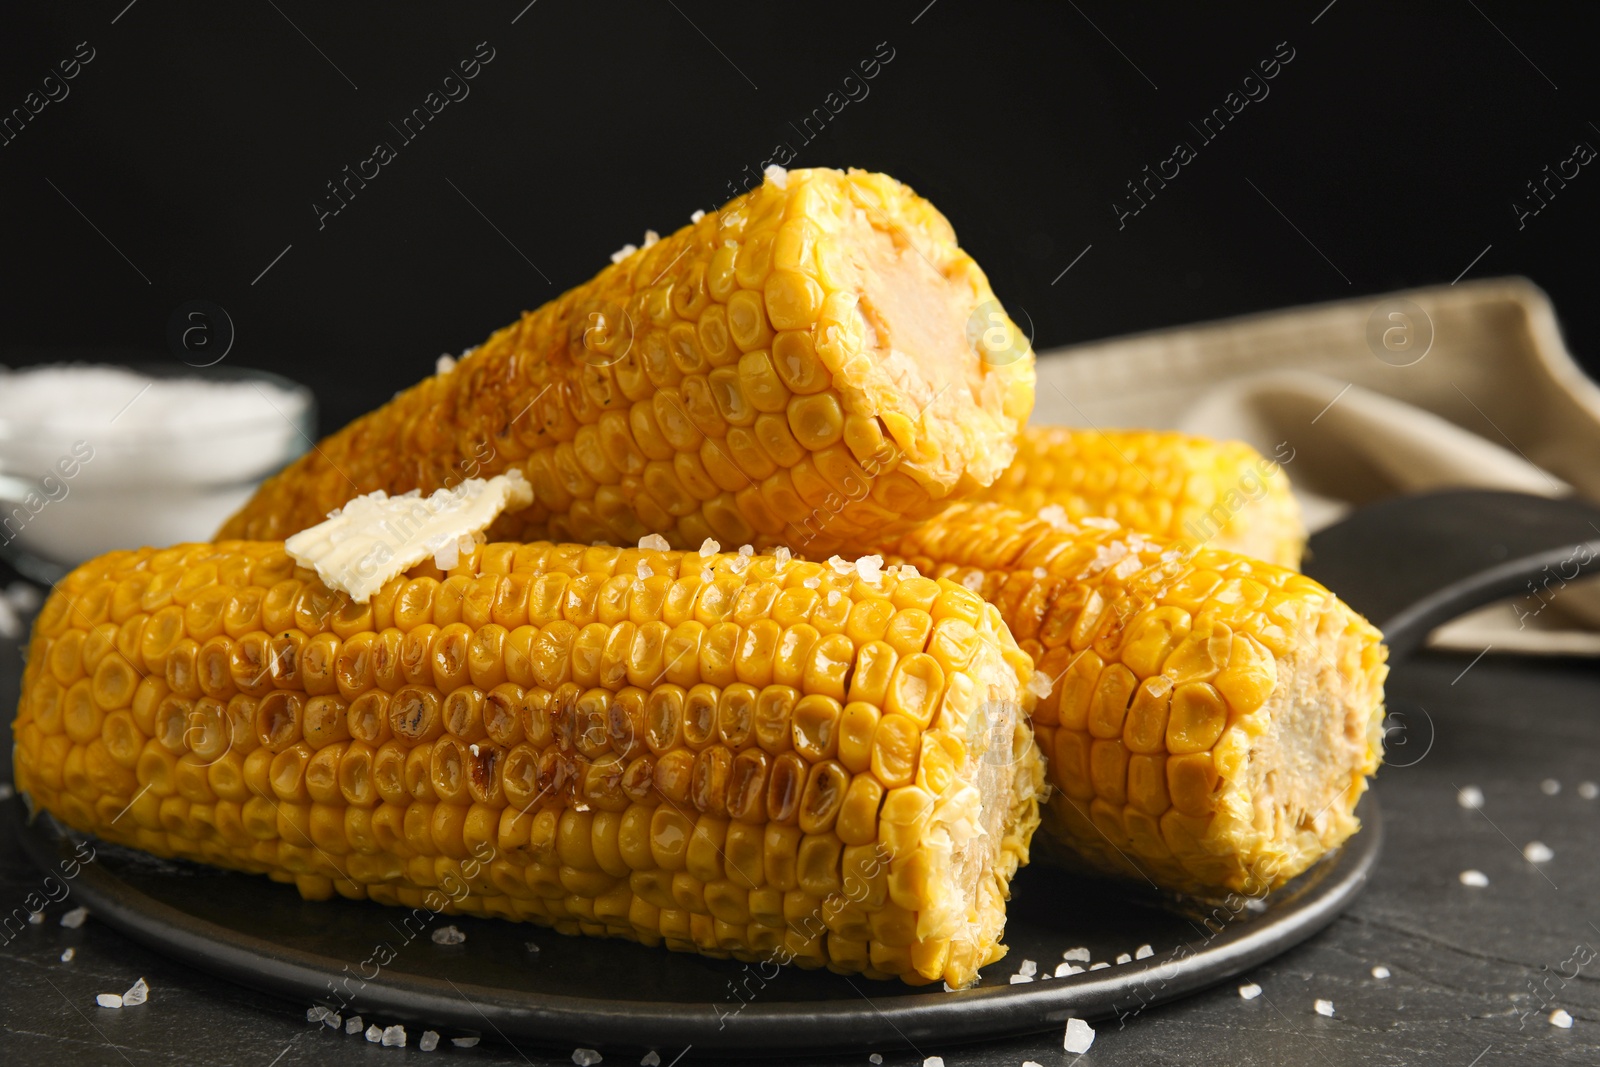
1474	972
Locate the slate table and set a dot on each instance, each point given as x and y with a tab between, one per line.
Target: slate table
1474	972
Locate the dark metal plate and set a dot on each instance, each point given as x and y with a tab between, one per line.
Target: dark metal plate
614	995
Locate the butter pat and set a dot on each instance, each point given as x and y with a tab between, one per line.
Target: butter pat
375	537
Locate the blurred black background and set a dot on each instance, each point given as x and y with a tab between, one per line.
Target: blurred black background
184	159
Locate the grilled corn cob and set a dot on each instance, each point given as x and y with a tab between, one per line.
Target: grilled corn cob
736	756
1211	720
1221	494
816	360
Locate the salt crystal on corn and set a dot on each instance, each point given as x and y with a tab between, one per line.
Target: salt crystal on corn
1470	797
137	994
1055	515
624	252
812	582
1249	991
870	568
782	555
1476	879
1538	852
643	570
1560	1018
841	565
650	238
1040	572
697	216
444	364
654	542
1095	522
585	1057
973	582
428	1041
1040	685
74	918
1079	1036
747	551
780	177
1324	1007
448	935
708	547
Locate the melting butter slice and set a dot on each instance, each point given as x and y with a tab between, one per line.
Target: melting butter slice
375	537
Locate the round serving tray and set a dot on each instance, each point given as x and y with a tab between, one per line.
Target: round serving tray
614	995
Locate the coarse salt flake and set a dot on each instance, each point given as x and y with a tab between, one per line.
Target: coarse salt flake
650	238
1029	968
394	1036
375	1033
651	1059
448	935
709	547
1249	991
973	581
464	1042
1470	797
428	1041
870	568
654	542
1079	1036
354	1025
1560	1018
137	994
1549	787
697	215
1476	879
444	364
108	1000
1588	790
1064	969
36	918
1040	572
1095	522
643	570
623	253
1143	952
782	555
1123	957
75	918
1098	966
875	1058
1324	1007
780	177
1380	972
841	565
66	956
1538	852
1039	684
330	1020
585	1057
531	947
1079	954
1055	515
812	582
1021	979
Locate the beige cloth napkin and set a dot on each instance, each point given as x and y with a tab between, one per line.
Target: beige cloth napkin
1454	386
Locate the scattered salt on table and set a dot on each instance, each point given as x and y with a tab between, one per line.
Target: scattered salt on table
463	1042
1123	957
36	918
1143	952
585	1057
428	1041
1021	979
375	1033
651	1059
137	994
1249	991
1064	969
108	1000
1079	1036
394	1036
353	1025
531	947
1538	852
1324	1007
1079	954
1380	971
66	957
332	1020
1098	966
1588	790
933	1061
1560	1018
875	1058
315	1013
1029	968
1549	787
1476	879
74	918
449	935
1470	797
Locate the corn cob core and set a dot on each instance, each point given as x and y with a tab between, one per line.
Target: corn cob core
817	360
1211	720
732	755
1216	494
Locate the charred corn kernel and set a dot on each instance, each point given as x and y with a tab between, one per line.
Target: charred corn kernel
700	387
704	750
1194	490
1211	720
